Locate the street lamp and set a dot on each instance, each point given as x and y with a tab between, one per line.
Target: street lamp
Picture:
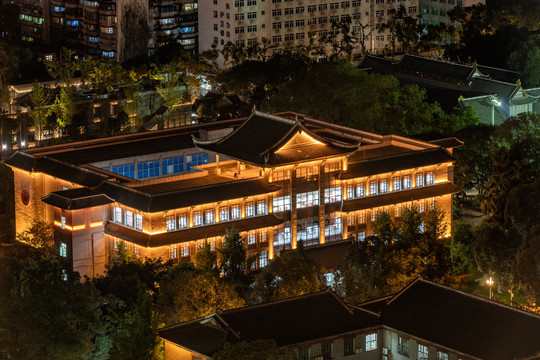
493	100
490	284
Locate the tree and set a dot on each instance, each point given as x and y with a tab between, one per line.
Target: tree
64	106
47	312
117	123
65	68
206	259
188	293
461	248
40	98
525	60
256	350
39	235
232	256
290	274
526	267
340	40
405	30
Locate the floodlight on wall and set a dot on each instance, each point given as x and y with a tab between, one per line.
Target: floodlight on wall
493	100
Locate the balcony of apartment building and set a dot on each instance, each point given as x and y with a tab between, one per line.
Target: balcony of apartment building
107	33
107	45
107	8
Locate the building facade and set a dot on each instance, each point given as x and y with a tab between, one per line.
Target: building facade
424	321
286	24
115	29
277	179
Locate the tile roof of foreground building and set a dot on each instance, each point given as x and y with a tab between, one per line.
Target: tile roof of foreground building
448	319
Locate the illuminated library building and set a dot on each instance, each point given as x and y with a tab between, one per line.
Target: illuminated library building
278	179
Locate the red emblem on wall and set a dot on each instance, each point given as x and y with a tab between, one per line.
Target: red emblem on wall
25	197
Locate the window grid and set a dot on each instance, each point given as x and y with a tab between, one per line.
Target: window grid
371	341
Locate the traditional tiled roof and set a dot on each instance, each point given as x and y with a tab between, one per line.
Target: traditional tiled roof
74	199
194	233
408	160
290	321
56	168
436	67
499	74
462	321
166	196
257	140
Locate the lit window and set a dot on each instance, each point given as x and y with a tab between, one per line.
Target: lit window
129	218
360	190
422	227
183	222
362	217
197	218
117	215
350	191
184	249
431	204
397	211
172	252
308	231
420	179
350	219
307	172
373	187
374	213
442	355
282	203
63	222
261	207
396	184
136	251
362	236
421	206
371	341
223	213
333	225
430	178
263	236
406	182
63	249
209	216
263	258
383	186
332	195
403	346
171	223
252	237
307	199
250	209
138	222
422	352
235	212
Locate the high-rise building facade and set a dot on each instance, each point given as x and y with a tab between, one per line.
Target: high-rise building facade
289	23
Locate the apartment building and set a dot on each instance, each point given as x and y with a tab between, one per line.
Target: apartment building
423	321
115	29
288	23
278	179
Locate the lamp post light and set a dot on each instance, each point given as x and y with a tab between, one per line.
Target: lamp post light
493	100
490	284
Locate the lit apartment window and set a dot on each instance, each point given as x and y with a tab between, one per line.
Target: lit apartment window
430	178
63	249
63	222
374	213
396	183
173	252
235	212
281	175
184	249
419	179
282	203
371	341
252	237
403	346
431	204
442	355
373	187
350	219
332	195
117	215
348	346
406	182
129	218
209	216
183	221
421	206
171	223
383	186
261	207
422	227
282	239
197	218
362	236
307	172
262	235
307	199
362	217
263	258
350	191
138	222
308	231
422	352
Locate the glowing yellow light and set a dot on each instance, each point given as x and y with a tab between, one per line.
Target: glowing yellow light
96	224
78	227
